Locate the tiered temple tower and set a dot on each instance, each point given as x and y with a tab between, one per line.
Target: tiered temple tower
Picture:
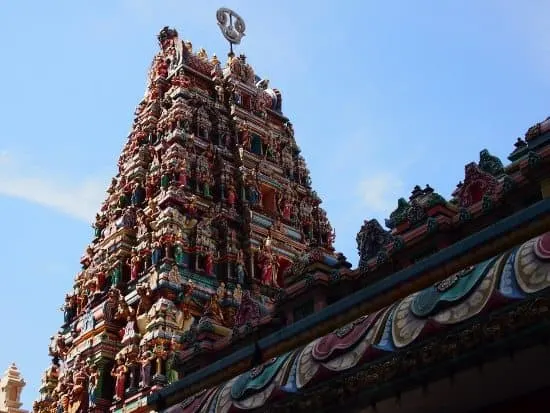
204	238
11	385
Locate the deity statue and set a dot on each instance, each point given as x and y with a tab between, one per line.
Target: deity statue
214	311
207	181
99	225
185	297
221	291
267	271
138	195
116	274
209	263
78	398
285	206
119	374
82	302
69	308
161	67
182	173
153	208
201	54
269	264
156	254
58	347
191	205
150	187
146	362
254	195
93	382
142	223
135	265
100	277
179	254
220	93
63	405
231	196
240	271
249	310
172	374
110	307
238	294
124	311
245	139
165	177
145	299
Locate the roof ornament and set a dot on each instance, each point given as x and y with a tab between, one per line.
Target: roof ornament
232	26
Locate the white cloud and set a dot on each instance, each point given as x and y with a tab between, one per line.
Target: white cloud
79	200
380	191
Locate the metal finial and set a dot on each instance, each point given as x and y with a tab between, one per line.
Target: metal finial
232	26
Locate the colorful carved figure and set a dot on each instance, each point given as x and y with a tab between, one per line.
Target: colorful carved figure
231	196
146	363
138	195
145	299
179	254
182	173
172	374
78	401
135	265
240	271
209	263
69	309
93	383
268	269
119	374
254	196
214	311
156	254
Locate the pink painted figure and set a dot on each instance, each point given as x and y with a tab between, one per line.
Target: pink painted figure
287	209
182	173
135	264
267	268
209	264
119	374
231	196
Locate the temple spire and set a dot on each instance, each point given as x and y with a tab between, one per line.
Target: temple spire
195	241
11	386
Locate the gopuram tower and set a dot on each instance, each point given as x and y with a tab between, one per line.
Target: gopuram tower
207	233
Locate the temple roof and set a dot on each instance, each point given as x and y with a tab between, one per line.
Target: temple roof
516	276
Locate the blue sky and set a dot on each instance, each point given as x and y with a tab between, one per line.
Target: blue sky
383	95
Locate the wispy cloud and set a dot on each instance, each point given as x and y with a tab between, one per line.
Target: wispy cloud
380	191
77	199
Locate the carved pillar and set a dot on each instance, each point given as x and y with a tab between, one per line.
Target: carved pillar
104	390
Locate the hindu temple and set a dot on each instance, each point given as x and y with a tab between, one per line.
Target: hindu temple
210	283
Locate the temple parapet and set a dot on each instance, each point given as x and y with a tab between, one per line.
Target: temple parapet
427	222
